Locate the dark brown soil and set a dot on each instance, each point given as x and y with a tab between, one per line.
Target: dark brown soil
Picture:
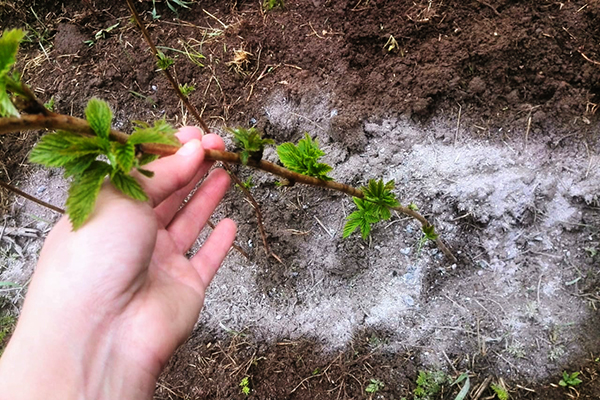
499	69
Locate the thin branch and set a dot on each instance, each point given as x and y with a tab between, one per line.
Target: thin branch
30	197
166	71
203	125
73	124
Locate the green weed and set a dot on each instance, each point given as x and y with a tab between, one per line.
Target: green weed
374	386
569	380
186	89
500	392
271	4
245	386
7	326
429	384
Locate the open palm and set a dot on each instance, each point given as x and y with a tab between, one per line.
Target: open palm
122	283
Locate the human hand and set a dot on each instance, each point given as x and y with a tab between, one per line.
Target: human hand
110	303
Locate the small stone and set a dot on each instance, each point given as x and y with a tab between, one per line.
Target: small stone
405	251
41	189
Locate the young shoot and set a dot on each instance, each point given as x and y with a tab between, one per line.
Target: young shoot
250	142
373	208
78	155
304	158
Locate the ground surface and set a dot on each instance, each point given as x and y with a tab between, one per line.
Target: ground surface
483	113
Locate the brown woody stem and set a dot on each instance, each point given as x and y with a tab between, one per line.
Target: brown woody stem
73	124
30	197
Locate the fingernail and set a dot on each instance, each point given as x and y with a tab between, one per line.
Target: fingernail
189	148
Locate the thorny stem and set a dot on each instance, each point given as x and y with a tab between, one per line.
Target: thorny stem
73	124
203	125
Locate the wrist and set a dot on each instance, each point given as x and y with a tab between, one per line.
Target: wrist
51	362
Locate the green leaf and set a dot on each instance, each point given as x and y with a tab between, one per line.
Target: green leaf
164	62
251	143
429	232
303	158
7	109
84	191
465	389
79	165
146	173
61	148
124	155
353	222
147	158
99	116
160	133
128	185
9	46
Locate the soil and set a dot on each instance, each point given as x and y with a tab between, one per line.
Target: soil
484	113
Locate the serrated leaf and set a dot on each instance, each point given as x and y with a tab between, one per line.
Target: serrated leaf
60	148
128	185
147	158
84	191
251	143
353	222
303	158
79	165
146	173
160	133
124	155
99	116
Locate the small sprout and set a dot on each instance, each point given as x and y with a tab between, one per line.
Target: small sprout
413	206
250	142
247	184
429	384
375	386
317	371
245	386
186	89
50	104
391	44
569	380
164	62
89	42
556	353
271	4
101	34
429	231
500	392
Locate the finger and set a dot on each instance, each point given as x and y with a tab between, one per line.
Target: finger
210	256
187	133
172	173
188	222
166	210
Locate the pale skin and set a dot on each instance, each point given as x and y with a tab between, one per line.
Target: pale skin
110	303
